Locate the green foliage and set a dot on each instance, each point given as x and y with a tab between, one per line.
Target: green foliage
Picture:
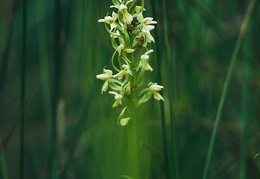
69	125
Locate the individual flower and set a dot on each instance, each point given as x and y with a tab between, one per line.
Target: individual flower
154	88
121	48
118	98
127	18
126	71
106	76
145	23
148	37
144	37
110	20
144	61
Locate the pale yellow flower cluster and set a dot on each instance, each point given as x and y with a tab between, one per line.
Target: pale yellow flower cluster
130	34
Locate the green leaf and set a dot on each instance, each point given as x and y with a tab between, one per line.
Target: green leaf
145	98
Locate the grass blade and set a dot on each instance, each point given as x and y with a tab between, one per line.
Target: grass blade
23	73
162	109
226	84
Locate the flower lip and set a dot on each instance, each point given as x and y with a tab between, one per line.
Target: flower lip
106	75
118	98
110	20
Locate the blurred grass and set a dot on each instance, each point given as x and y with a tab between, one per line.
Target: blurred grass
23	85
3	171
226	86
194	43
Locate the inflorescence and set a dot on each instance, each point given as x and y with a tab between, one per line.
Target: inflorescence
130	35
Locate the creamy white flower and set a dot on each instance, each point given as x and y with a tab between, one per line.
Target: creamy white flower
145	56
154	87
123	9
118	98
126	16
144	64
126	71
120	48
106	76
145	23
147	38
144	61
110	20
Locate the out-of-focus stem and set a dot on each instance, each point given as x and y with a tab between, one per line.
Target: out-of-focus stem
132	140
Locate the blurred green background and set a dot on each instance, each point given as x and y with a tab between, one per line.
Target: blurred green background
54	122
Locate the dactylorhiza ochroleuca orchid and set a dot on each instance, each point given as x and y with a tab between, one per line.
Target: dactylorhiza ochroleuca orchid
130	34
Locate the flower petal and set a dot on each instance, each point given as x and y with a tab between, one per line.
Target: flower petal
155	87
101	20
104	87
157	96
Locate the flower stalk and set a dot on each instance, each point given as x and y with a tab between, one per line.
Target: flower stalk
130	34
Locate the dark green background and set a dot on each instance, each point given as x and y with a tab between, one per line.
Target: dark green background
48	67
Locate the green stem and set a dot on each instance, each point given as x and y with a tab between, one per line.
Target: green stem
132	142
244	116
